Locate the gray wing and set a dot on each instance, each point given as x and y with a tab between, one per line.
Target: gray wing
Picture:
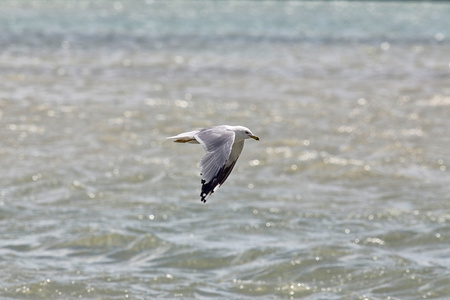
217	143
220	158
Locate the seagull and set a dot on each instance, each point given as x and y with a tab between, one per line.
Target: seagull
223	145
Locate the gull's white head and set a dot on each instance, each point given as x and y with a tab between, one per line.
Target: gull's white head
242	133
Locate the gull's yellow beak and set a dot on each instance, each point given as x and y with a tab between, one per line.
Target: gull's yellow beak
254	137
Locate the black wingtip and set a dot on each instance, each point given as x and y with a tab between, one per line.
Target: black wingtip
207	190
203	197
202	194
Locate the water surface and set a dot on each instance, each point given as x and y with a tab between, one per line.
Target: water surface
344	197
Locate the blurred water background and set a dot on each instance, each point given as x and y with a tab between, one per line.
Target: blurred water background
346	196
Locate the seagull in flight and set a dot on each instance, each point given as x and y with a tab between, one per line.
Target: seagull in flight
223	145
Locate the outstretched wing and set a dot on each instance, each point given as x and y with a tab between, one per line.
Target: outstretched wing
216	164
185	137
217	143
220	158
222	175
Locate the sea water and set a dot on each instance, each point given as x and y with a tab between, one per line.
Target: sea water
345	196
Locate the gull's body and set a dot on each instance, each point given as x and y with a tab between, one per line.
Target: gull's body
223	145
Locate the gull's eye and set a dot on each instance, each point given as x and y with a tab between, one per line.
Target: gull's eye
247	132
